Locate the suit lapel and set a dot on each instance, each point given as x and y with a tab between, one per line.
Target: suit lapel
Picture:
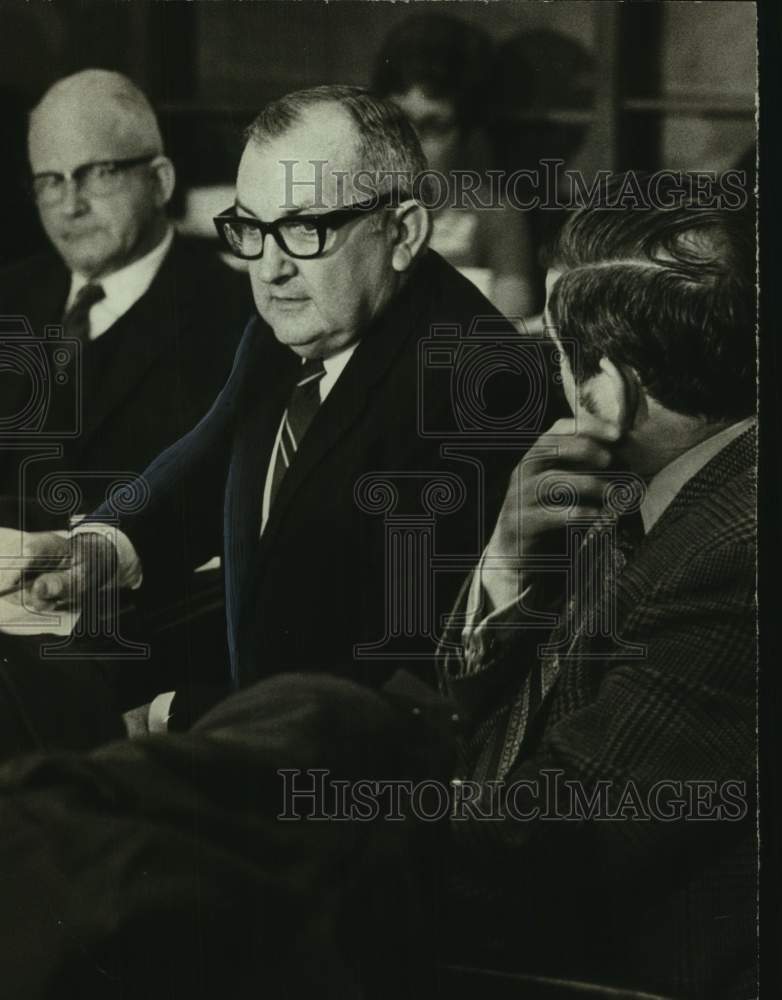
734	459
268	382
343	406
121	357
633	582
348	399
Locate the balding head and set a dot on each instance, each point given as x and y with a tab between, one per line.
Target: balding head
104	104
100	224
380	138
318	305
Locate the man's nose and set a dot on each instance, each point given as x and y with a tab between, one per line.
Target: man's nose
73	201
274	264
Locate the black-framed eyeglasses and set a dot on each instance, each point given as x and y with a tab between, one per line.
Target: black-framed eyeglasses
301	236
98	179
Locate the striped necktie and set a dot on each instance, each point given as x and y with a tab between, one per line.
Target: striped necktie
302	407
76	321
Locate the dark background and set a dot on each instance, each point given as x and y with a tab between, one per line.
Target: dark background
770	503
604	85
644	85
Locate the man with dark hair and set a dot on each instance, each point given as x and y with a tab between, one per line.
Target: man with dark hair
605	832
328	421
695	272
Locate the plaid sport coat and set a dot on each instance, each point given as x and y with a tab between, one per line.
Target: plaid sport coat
655	887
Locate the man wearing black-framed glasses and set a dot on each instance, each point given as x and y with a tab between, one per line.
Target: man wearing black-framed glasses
343	264
300	236
329	408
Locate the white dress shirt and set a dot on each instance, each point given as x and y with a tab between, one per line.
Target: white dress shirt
122	289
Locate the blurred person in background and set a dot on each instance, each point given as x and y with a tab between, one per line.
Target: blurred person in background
438	70
156	316
150	324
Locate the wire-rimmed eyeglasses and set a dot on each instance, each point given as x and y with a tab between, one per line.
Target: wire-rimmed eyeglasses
97	179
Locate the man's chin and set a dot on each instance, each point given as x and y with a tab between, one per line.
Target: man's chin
308	340
291	331
88	264
305	343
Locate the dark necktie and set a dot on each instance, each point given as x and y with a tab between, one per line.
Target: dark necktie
302	407
77	319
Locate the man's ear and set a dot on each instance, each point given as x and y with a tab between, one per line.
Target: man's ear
614	395
412	232
165	176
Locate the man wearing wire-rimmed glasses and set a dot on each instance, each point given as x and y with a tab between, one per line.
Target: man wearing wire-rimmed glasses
116	338
137	303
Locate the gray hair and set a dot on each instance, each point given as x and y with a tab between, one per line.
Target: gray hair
387	142
97	90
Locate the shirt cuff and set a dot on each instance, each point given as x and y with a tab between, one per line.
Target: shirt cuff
496	596
160	712
129	572
494	590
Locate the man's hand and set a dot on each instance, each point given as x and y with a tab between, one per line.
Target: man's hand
47	570
561	461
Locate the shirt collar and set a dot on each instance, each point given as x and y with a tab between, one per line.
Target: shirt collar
123	288
336	363
669	481
334	366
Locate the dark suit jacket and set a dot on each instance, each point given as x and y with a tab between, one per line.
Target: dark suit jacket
159	867
320	580
145	381
667	906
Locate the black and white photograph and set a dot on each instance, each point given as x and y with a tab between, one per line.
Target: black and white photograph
381	389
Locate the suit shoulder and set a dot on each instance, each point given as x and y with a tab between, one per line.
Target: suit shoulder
200	258
712	541
35	287
732	510
727	501
217	293
42	265
452	298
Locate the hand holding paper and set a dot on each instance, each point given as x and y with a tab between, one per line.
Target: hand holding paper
50	570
